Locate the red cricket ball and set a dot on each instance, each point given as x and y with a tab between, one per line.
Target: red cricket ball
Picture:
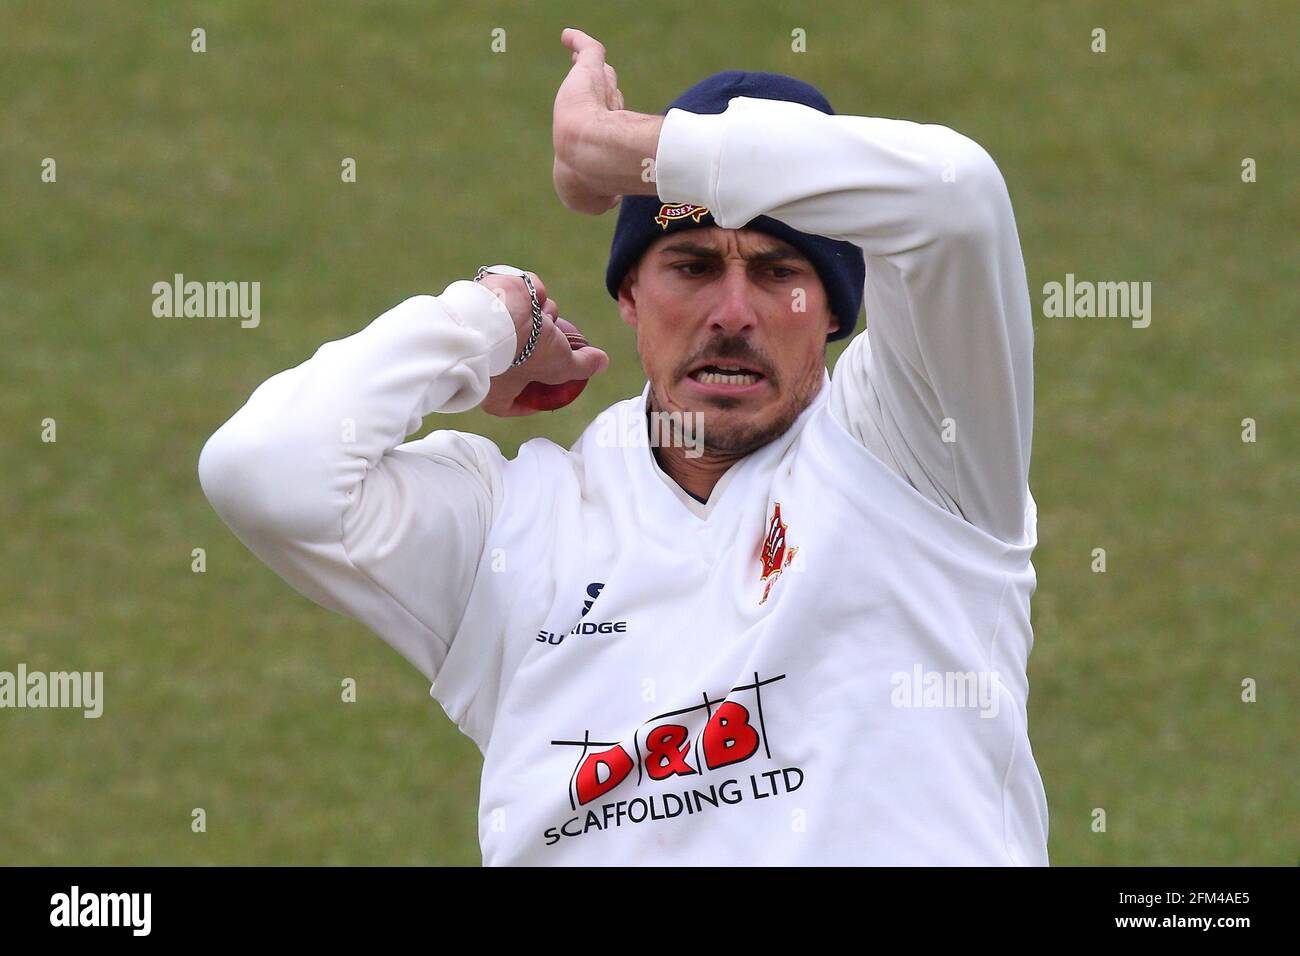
547	398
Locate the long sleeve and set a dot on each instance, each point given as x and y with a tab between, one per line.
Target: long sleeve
942	391
310	474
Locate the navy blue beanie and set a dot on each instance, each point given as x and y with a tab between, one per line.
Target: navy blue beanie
642	219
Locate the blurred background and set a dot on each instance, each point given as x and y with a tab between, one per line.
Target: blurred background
222	688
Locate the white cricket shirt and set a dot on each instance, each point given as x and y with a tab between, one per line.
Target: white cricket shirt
823	664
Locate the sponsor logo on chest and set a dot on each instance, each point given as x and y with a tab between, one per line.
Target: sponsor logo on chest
584	627
667	771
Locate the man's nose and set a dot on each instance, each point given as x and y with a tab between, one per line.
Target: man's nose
734	310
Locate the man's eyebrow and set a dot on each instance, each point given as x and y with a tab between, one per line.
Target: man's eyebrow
708	252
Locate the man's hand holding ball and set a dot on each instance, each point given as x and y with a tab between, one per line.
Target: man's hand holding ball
561	363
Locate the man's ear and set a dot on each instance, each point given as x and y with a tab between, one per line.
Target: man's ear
627	298
834	325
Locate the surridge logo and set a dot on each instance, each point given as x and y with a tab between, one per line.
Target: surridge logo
584	627
663	750
593	592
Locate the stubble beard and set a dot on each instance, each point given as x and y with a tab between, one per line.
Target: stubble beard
740	438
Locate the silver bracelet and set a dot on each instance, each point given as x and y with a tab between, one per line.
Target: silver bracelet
537	308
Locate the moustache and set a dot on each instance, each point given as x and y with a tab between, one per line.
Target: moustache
736	348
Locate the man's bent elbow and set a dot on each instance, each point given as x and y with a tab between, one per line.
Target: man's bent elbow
225	469
248	487
968	199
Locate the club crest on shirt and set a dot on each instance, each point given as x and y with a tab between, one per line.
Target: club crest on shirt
776	555
671	211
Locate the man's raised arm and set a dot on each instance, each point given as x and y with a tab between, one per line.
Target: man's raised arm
942	389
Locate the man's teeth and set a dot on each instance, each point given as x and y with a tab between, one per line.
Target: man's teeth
706	377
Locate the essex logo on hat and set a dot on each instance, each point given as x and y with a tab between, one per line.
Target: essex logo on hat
670	211
776	556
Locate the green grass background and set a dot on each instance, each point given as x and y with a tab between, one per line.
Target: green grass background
222	688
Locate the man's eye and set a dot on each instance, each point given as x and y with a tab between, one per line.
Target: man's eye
691	265
777	272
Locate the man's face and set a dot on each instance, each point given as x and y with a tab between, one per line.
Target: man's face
731	323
